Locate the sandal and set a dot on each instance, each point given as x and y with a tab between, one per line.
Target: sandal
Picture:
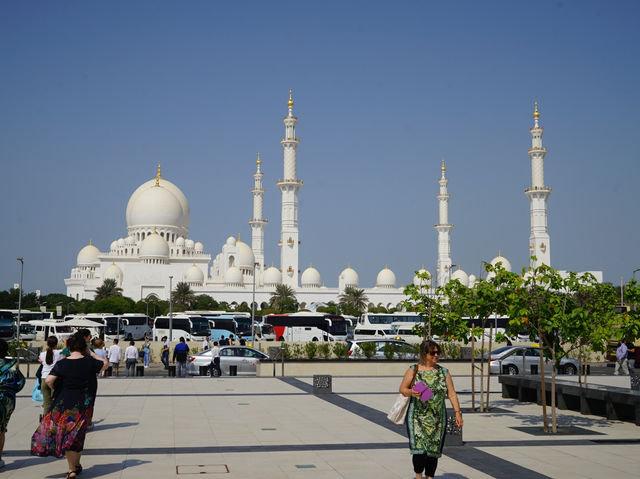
71	475
78	469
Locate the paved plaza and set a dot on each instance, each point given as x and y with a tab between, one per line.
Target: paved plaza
271	428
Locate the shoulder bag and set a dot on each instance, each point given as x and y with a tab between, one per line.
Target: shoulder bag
399	409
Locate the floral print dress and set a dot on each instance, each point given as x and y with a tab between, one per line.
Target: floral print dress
11	383
64	427
426	421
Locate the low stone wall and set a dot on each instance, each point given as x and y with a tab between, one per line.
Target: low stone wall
351	367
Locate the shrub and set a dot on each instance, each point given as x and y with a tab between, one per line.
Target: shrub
389	350
324	350
368	349
311	349
341	350
286	350
451	350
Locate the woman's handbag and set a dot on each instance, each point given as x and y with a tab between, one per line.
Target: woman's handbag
36	395
399	409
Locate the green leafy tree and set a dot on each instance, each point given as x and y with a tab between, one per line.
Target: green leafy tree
108	289
183	297
353	301
204	302
283	299
114	304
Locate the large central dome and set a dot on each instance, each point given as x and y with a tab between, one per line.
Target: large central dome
158	203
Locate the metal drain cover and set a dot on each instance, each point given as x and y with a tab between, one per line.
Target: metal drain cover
203	469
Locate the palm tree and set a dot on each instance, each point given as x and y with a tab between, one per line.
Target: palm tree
183	295
353	300
108	289
283	299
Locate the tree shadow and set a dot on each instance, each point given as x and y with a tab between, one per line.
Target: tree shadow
104	427
452	475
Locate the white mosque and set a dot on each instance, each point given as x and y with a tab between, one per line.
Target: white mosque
157	252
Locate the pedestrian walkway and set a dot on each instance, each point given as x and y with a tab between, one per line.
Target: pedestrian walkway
158	427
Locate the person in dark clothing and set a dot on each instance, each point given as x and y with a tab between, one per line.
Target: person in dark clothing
180	357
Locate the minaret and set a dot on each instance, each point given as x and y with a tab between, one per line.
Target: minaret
444	231
538	194
258	222
289	187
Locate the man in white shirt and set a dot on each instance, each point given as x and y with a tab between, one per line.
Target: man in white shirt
131	358
115	354
206	344
215	360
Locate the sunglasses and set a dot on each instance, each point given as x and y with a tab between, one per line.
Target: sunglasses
434	353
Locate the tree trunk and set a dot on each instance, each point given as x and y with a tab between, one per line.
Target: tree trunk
543	389
482	370
554	425
473	372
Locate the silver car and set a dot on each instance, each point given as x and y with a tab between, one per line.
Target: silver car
520	359
401	349
244	358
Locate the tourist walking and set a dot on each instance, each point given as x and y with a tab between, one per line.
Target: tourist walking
115	355
214	366
206	344
622	359
426	417
11	383
164	354
180	357
100	351
48	359
131	358
146	349
63	429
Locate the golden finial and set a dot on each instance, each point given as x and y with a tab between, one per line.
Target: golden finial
155	232
258	162
290	102
158	175
90	242
442	168
499	253
536	113
239	240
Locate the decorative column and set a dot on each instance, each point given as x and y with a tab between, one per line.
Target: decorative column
289	187
538	193
258	222
444	231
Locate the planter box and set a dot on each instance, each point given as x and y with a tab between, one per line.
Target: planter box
350	367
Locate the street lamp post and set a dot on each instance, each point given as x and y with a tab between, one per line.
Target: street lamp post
20	297
633	275
253	308
170	309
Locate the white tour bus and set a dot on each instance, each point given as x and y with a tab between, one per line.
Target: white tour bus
305	326
380	325
114	326
44	329
188	326
136	326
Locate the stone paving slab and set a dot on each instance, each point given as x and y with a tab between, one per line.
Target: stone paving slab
156	427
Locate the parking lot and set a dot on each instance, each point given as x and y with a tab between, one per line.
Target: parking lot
236	427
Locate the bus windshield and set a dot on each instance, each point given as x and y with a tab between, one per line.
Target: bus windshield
200	326
113	325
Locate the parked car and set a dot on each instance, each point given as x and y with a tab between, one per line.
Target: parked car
243	357
511	359
402	349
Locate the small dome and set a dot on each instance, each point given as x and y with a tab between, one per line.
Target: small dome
310	278
501	259
188	243
245	255
472	279
88	255
113	271
193	274
386	278
233	277
121	242
130	241
272	276
231	241
349	277
114	245
199	247
180	242
422	283
460	276
154	246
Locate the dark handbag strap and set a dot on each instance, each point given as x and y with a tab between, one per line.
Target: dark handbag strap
415	371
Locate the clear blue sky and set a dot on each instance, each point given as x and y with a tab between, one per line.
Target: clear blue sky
94	94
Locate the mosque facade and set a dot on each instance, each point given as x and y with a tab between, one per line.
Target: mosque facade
158	252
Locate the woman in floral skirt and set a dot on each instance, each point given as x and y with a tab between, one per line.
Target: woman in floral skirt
62	430
426	417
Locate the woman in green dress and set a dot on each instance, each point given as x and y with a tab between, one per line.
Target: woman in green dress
426	417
